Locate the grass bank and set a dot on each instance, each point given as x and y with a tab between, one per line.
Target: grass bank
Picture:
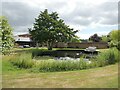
26	60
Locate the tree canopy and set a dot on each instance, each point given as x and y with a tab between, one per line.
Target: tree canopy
105	38
95	38
6	36
49	28
114	36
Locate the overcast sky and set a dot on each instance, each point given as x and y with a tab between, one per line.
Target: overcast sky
88	16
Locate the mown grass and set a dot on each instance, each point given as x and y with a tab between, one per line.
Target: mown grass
104	77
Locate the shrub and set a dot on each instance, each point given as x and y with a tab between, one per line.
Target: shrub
108	57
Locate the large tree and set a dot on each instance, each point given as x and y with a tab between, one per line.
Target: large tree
6	36
49	28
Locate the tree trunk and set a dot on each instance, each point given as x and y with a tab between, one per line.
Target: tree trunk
50	45
37	45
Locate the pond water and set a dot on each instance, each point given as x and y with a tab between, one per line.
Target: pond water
73	59
69	54
66	53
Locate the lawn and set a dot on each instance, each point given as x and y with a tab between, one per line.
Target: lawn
102	77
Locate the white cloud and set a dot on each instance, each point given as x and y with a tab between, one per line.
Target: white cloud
87	35
79	14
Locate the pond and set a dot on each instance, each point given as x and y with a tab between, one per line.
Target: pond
67	54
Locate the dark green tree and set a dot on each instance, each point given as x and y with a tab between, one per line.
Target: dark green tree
95	38
49	28
6	36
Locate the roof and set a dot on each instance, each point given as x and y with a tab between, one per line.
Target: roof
22	39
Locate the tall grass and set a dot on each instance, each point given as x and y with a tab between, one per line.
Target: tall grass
107	57
23	60
61	65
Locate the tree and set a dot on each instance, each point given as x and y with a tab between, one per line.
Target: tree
49	28
95	38
115	35
6	35
105	38
115	38
75	39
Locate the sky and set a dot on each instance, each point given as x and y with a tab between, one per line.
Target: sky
87	16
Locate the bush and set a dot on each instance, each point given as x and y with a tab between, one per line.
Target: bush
108	57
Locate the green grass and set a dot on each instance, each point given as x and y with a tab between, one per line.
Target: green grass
8	68
102	50
104	77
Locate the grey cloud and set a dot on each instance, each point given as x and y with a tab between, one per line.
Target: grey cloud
0	8
82	21
19	14
56	6
107	10
20	29
119	15
108	22
109	6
